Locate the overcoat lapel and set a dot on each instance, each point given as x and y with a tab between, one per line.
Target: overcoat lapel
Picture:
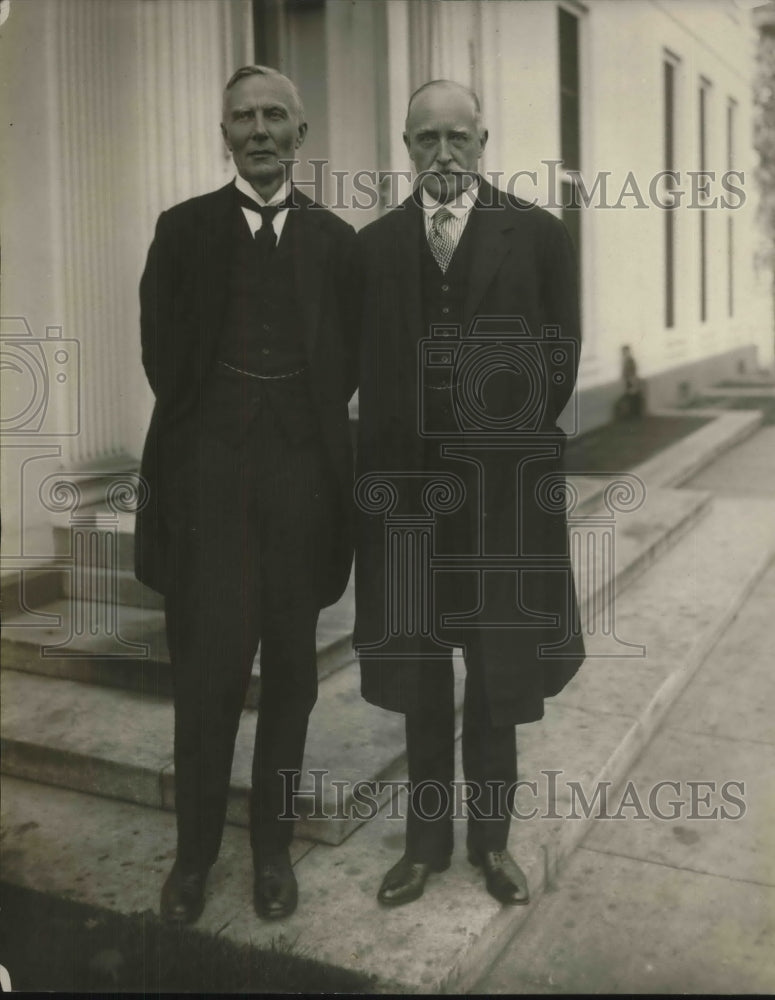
490	247
407	269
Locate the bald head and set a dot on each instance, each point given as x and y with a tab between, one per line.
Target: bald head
450	89
444	137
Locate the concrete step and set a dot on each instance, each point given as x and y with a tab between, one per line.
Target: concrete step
129	590
671	467
78	640
118	744
677	463
116	854
35	616
122	526
727	391
102	758
132	652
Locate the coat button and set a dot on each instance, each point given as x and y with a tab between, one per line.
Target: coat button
445	310
265	350
445	288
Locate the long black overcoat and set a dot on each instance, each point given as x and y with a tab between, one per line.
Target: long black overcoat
522	278
182	306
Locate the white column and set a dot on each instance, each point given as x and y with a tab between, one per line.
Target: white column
138	88
111	113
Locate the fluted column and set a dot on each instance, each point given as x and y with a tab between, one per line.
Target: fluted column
138	88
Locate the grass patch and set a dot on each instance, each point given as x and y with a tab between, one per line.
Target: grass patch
68	947
623	444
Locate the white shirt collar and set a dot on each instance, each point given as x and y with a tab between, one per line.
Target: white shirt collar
460	206
280	194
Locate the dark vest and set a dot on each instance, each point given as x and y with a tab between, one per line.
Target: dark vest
443	302
262	334
261	331
444	294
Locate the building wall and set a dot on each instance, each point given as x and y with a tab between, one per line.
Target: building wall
627	44
111	114
508	52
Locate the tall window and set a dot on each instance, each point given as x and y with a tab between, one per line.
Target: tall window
731	115
703	150
570	119
669	77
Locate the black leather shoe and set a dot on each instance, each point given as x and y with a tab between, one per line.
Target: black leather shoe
183	896
505	880
275	892
406	880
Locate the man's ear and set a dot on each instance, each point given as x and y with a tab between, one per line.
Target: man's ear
406	143
225	137
483	137
302	134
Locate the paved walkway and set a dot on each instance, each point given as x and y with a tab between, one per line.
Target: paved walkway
684	905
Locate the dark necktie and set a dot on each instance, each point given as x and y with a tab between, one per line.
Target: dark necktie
265	237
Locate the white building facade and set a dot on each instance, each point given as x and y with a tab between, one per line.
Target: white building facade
111	113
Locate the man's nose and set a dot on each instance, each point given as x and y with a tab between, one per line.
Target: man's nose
443	156
259	124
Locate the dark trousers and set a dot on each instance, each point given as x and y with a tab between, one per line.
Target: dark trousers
249	515
489	751
489	764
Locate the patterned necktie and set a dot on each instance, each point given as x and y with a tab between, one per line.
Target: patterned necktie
440	239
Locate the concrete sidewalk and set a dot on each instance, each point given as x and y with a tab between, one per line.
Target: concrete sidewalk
683	905
687	562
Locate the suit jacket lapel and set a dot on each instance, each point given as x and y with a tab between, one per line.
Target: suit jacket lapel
491	244
219	246
310	250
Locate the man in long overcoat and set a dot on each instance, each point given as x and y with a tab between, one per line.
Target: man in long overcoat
247	344
469	354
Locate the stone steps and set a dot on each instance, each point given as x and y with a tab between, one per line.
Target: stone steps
63	716
138	685
130	591
39	603
134	655
71	843
118	744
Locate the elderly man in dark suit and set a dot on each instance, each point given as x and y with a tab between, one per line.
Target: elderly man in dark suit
246	341
469	353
